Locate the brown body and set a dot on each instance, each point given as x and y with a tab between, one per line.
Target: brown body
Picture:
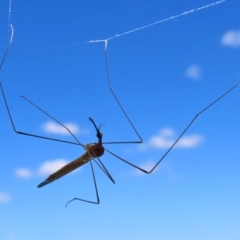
92	151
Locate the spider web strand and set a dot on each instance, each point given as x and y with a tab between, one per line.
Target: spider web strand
129	31
157	22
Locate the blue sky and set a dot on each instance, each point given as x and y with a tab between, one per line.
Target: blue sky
163	76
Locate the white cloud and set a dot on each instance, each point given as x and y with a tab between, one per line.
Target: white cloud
166	137
23	172
4	197
53	127
167	132
231	38
50	167
193	71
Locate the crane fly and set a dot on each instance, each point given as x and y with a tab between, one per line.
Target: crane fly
92	151
96	150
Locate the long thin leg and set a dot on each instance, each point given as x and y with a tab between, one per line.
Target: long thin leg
188	126
96	190
101	165
9	113
53	119
59	140
33	135
6	104
118	102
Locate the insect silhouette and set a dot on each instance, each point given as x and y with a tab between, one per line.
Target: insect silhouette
95	150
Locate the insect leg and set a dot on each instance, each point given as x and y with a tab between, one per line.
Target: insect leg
101	165
188	126
96	191
33	135
118	102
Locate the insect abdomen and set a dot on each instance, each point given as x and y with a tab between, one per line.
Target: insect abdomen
70	166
